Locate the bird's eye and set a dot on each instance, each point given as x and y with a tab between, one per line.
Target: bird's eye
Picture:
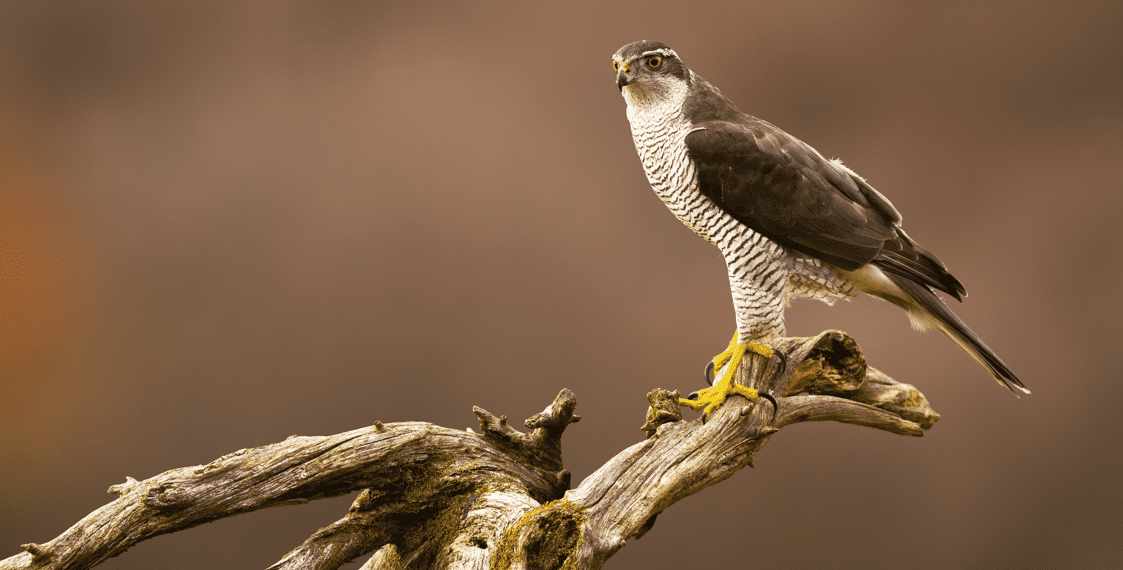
614	66
655	62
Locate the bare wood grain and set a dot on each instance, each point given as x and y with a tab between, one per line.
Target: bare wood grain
440	498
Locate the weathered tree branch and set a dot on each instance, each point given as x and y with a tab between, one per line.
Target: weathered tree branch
433	497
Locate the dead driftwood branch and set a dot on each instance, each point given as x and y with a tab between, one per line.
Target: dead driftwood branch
434	497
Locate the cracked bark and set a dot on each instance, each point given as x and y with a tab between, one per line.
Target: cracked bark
434	497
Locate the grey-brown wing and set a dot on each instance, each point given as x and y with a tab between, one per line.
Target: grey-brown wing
781	187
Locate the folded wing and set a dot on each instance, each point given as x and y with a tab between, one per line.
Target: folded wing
779	186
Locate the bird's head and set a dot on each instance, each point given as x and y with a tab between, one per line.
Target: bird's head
650	73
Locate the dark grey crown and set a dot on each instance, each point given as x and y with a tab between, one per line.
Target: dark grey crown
634	49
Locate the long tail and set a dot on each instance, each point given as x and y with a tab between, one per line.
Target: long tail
937	314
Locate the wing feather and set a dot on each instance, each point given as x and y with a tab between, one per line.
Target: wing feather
781	187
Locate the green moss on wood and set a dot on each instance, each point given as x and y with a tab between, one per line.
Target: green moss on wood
551	542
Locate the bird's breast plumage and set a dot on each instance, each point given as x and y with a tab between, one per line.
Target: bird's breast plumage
662	151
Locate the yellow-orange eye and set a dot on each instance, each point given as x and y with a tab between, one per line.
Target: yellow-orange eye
655	62
614	66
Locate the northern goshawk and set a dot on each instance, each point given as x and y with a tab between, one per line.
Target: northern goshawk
789	222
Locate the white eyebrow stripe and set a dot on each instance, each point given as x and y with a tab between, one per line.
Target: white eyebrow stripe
665	52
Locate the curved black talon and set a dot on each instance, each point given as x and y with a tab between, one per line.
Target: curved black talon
775	406
783	364
694	396
708	373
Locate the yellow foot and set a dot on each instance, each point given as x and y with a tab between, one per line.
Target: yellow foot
724	357
760	349
710	398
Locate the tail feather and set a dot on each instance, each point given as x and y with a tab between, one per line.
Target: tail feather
939	315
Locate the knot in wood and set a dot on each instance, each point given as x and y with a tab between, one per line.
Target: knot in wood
664	409
167	498
35	550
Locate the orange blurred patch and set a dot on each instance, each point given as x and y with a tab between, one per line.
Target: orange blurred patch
45	256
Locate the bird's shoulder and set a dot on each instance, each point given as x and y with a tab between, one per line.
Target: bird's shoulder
749	147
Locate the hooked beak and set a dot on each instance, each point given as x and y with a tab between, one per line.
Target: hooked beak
623	76
622	80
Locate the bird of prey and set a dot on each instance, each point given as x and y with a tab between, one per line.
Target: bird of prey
789	222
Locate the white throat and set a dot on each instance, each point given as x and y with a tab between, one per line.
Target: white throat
654	100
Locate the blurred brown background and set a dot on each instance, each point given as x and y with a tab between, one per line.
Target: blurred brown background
225	223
